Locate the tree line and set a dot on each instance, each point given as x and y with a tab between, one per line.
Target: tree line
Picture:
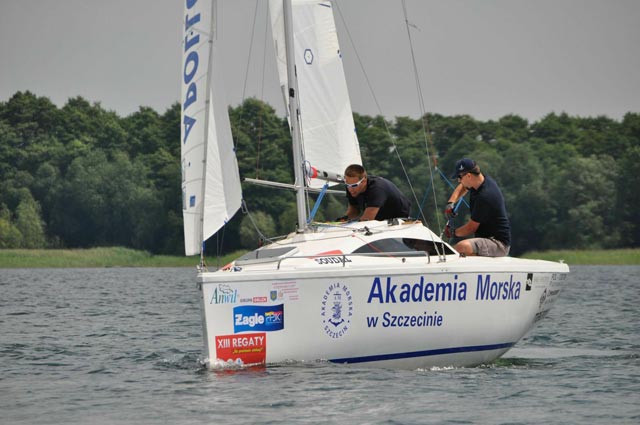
82	176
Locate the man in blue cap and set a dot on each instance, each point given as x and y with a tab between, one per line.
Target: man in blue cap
489	221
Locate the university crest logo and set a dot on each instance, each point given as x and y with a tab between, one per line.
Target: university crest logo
336	310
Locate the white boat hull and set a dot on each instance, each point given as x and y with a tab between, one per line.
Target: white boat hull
458	313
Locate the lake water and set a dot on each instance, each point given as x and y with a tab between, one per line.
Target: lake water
123	346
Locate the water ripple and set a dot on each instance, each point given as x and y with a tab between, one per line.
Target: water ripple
124	346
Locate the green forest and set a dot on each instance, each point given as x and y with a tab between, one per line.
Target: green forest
81	176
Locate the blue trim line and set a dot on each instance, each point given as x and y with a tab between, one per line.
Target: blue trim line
440	351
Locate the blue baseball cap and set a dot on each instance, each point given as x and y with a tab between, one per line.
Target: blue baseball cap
463	166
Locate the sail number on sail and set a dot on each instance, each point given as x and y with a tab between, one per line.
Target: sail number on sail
191	60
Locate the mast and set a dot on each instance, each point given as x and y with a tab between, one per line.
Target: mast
293	115
207	102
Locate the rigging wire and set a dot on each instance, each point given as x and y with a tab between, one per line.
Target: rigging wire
241	124
423	114
260	112
301	128
245	207
253	29
264	54
245	210
425	133
307	196
375	99
220	238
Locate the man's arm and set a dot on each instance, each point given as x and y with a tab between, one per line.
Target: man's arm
467	229
369	213
458	193
352	212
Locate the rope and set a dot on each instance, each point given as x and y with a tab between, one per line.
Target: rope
253	29
375	99
452	187
220	240
219	243
245	210
244	206
426	193
260	124
422	111
423	114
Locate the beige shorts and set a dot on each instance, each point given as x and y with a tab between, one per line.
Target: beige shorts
488	247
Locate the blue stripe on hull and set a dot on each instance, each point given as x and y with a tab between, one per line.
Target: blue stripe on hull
440	351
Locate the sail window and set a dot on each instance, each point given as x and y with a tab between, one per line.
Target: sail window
406	246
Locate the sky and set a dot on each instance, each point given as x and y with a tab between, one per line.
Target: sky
485	58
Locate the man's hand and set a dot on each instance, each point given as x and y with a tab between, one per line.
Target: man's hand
449	231
449	211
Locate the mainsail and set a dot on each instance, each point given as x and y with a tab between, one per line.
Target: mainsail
211	192
328	132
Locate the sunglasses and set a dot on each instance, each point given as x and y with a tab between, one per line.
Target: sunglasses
356	184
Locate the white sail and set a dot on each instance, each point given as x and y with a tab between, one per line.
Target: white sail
328	132
211	191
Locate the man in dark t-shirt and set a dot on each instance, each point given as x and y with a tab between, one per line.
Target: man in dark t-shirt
489	220
373	198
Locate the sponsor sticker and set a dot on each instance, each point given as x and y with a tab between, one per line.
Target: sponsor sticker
258	318
558	279
332	260
242	349
253	300
224	294
543	298
336	310
284	291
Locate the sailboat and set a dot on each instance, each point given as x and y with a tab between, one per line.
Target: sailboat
377	293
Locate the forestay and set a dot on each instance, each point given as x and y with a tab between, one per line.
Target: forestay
328	132
211	191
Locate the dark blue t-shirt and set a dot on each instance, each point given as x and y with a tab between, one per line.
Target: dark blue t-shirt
383	194
488	209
